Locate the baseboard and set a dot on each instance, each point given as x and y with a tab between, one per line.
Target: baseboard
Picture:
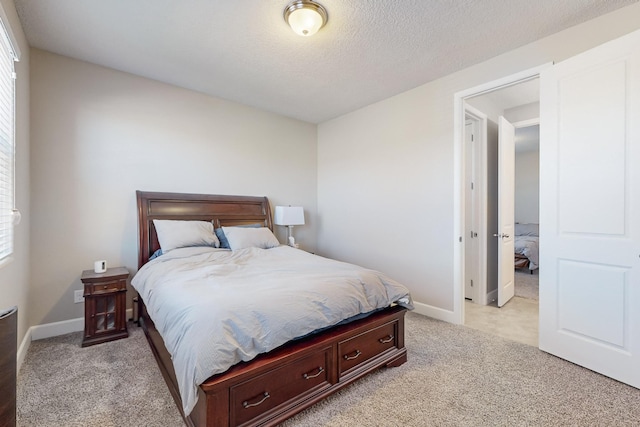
435	312
491	296
22	350
55	329
49	330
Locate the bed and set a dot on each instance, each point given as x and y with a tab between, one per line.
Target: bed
526	245
278	382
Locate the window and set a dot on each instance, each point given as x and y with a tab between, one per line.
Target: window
7	143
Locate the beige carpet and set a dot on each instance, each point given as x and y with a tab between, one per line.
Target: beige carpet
455	376
113	384
526	284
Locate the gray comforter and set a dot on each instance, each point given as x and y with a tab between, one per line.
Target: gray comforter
528	246
216	307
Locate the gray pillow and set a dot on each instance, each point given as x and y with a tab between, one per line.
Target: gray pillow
156	254
244	237
224	243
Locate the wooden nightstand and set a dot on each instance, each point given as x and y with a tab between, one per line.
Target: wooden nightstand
104	305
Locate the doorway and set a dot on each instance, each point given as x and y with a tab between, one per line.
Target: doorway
516	98
512	121
588	304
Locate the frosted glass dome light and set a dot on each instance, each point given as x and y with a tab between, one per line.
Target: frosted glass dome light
305	17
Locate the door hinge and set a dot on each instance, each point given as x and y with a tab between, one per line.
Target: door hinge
472	137
472	283
472	185
471	234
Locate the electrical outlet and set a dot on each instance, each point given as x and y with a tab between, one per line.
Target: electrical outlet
78	296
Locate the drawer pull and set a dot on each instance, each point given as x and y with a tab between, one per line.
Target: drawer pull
355	355
308	377
246	403
386	340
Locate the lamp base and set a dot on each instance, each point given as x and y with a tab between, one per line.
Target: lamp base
291	241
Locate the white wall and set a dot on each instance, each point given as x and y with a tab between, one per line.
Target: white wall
527	188
492	207
385	172
488	105
527	167
523	112
14	276
98	135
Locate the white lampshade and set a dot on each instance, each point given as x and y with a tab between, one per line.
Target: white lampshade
305	17
289	215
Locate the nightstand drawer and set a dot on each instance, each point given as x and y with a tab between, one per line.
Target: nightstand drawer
105	287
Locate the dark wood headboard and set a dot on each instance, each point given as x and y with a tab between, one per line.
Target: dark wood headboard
221	210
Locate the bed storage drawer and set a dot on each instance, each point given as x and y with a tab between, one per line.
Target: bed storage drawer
264	395
356	351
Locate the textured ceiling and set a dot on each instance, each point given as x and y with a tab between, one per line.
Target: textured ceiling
242	50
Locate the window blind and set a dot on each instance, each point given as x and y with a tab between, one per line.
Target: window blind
7	143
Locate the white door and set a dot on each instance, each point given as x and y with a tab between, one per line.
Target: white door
506	210
471	246
590	209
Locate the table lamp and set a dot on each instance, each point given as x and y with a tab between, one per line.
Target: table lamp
289	216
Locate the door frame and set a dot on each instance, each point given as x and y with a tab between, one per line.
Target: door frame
480	126
459	178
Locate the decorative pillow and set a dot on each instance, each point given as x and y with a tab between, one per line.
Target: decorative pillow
156	254
180	234
243	237
527	229
224	243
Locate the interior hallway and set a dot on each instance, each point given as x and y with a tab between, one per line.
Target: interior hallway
517	320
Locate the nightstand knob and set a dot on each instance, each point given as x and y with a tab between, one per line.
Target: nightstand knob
105	287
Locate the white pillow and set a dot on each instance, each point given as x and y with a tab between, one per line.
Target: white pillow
180	234
242	237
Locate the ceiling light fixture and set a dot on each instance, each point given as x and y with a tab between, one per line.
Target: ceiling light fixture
305	17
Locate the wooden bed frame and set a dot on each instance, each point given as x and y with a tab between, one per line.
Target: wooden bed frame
276	385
